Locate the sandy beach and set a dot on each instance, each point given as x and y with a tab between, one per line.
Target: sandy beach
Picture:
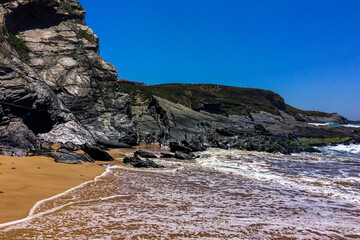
26	180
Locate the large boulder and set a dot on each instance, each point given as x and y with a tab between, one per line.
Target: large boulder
16	139
184	155
138	163
97	153
144	154
177	147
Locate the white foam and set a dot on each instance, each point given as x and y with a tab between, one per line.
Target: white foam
352	148
32	214
317	124
333	124
255	166
352	125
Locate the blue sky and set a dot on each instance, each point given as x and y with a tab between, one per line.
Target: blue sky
307	51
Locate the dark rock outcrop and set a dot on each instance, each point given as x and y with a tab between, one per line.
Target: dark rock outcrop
16	139
166	155
164	122
177	147
73	158
112	144
63	155
184	155
144	154
138	163
187	131
97	153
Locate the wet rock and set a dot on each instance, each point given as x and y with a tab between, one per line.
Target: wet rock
272	144
166	155
196	144
112	144
138	163
184	156
177	147
97	154
144	154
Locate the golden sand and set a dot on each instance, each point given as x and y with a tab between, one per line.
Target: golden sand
26	180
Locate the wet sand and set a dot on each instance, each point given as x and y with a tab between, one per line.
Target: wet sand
26	180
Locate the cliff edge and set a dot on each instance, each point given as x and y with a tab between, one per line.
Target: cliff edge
54	86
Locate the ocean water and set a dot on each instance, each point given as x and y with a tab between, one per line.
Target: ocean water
331	124
223	194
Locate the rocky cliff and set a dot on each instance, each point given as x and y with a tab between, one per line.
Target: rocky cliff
225	116
54	86
234	102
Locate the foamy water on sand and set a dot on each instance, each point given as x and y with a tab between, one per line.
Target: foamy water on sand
223	194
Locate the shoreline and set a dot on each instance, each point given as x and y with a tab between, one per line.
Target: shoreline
25	181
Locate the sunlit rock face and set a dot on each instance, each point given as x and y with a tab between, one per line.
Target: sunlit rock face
52	79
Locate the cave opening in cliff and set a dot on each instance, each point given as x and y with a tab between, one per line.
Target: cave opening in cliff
37	120
34	15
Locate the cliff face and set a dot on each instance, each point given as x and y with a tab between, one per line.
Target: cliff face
247	104
173	112
54	86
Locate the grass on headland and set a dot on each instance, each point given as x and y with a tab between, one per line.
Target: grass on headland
322	141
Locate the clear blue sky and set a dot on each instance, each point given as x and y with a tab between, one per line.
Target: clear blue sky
308	51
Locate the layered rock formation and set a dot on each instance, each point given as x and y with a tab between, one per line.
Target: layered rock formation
164	121
244	104
54	86
227	117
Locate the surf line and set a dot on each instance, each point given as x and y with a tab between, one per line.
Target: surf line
32	214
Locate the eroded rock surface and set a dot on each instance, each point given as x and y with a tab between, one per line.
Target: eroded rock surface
53	83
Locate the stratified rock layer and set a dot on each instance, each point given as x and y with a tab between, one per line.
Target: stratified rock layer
54	86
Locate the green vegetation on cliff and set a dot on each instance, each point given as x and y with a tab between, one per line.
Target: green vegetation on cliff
217	99
322	141
16	42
